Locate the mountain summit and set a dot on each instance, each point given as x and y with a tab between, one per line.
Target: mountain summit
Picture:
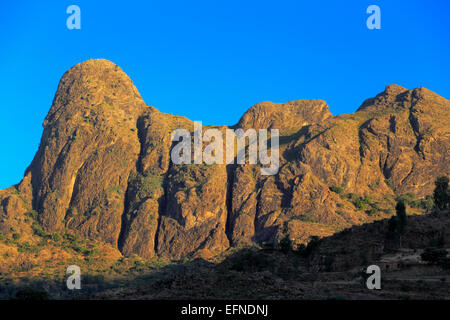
102	170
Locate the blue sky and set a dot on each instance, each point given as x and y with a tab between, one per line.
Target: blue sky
212	60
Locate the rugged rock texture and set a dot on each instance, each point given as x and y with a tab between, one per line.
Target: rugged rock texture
103	170
286	117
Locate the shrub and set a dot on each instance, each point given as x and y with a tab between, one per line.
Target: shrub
252	261
426	203
313	243
145	186
93	279
267	245
301	248
286	244
363	257
406	198
27	247
433	255
336	189
55	237
307	217
409	199
441	193
400	210
328	263
351	196
389	182
16	236
392	227
115	189
37	230
33	214
359	203
31	294
438	242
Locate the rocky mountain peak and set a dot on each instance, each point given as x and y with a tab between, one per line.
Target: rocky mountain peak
287	116
92	83
103	169
394	90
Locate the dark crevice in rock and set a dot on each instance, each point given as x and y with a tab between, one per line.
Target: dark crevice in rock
140	125
415	127
392	124
127	198
385	170
408	175
257	211
123	225
162	208
361	140
231	168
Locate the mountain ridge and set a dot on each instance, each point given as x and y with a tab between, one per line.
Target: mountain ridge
103	170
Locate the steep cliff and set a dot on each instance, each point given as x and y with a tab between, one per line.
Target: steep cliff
103	170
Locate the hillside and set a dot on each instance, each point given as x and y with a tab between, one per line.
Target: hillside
103	175
333	268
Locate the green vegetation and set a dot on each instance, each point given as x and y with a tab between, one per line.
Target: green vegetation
30	294
145	185
410	200
441	193
336	189
27	247
359	202
253	261
313	243
397	223
400	210
115	189
152	220
244	213
286	244
37	230
33	214
389	182
55	237
306	217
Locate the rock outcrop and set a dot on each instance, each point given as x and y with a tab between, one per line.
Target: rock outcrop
103	169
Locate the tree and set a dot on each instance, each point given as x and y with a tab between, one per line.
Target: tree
400	210
397	224
314	242
286	244
441	193
433	255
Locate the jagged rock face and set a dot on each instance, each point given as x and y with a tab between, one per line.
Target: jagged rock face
196	202
88	149
103	169
286	117
408	139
